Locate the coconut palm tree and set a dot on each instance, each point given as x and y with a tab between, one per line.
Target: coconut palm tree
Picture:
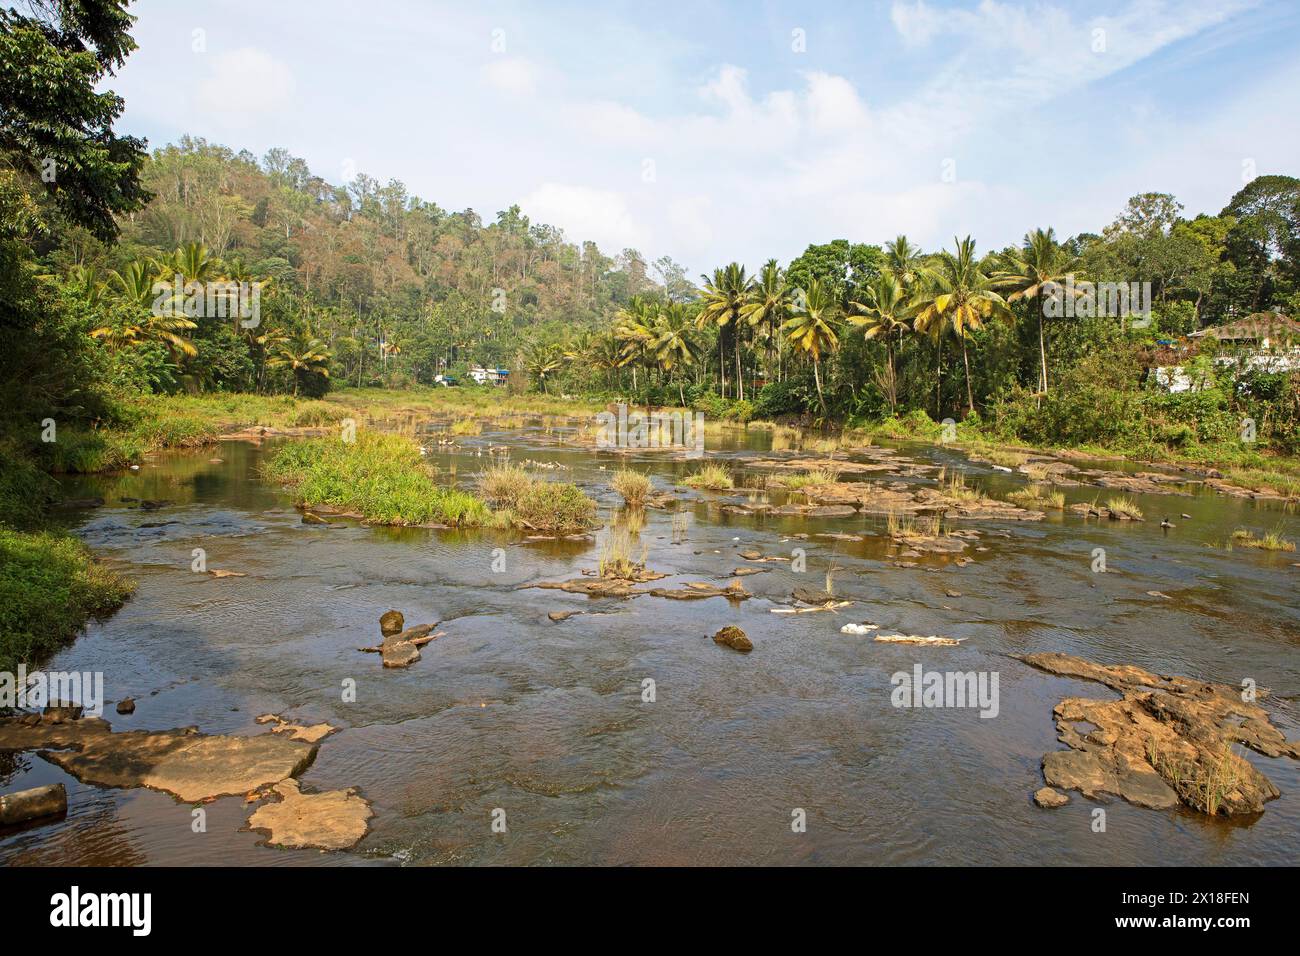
810	330
193	263
134	319
769	304
1038	269
542	362
634	329
724	296
606	354
903	259
957	297
303	353
271	340
884	313
676	341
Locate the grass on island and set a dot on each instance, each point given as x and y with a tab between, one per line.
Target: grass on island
1271	541
814	476
711	477
1036	497
381	477
1125	506
616	550
632	485
50	584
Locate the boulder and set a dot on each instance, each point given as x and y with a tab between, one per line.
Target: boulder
1049	799
733	637
391	622
126	706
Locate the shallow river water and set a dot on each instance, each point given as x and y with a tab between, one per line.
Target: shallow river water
547	722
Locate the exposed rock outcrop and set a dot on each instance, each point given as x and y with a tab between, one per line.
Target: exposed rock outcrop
1167	740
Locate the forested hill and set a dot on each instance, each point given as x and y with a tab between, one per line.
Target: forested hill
368	260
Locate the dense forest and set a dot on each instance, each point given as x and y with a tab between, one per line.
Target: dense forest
364	284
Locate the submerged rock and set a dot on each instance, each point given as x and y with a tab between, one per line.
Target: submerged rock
1167	740
126	706
183	762
333	820
734	591
733	637
813	596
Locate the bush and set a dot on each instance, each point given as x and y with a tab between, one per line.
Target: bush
381	477
49	586
632	485
555	508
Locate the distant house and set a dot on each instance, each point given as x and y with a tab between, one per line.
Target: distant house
489	376
1264	341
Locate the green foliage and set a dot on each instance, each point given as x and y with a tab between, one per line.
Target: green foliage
49	586
381	477
57	128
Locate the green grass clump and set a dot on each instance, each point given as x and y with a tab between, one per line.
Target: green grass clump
381	477
1036	497
1272	541
1123	505
632	485
554	507
712	477
814	476
504	484
49	585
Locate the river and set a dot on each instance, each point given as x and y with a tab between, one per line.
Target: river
547	721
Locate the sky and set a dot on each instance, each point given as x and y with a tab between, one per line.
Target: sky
713	132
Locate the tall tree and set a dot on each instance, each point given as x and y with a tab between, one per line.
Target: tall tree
1038	269
724	296
958	298
884	313
810	329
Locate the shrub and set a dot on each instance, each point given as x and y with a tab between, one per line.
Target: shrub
49	586
555	508
632	485
712	477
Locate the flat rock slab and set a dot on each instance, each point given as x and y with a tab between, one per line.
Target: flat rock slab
185	763
333	820
310	732
1168	740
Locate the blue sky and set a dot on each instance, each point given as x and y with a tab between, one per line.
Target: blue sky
712	132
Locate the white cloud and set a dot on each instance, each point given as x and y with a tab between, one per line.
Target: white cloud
514	75
244	83
600	215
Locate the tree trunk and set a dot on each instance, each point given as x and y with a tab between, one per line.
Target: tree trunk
1042	352
817	377
740	374
970	397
